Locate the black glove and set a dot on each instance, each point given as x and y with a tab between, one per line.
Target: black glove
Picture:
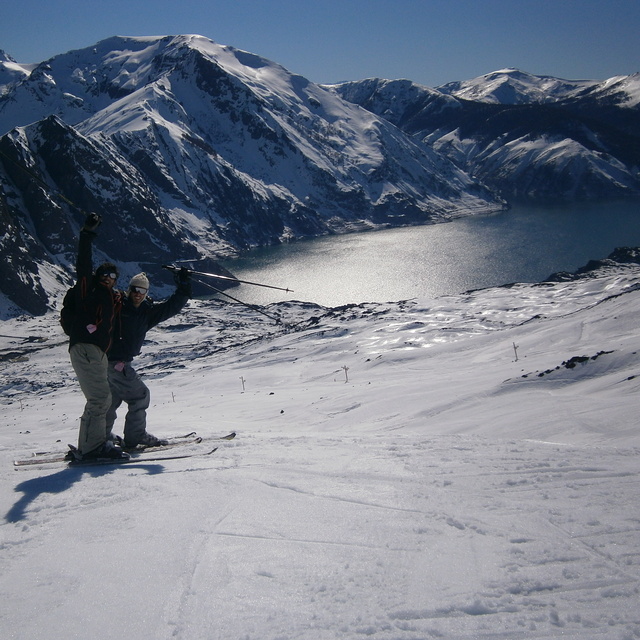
182	276
183	280
92	222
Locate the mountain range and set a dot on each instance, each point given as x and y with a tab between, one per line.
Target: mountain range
193	151
528	138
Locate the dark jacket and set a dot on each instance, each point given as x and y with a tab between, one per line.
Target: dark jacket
95	306
133	324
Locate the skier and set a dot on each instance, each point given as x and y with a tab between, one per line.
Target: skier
137	315
89	312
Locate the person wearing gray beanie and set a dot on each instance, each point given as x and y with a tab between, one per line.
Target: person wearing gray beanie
138	314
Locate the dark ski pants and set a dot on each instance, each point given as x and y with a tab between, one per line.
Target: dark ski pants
126	386
90	364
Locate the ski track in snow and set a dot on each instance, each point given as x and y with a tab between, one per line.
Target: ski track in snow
436	488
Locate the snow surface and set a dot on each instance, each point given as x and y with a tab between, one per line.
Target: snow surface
402	471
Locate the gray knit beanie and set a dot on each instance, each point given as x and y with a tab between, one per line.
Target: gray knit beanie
140	280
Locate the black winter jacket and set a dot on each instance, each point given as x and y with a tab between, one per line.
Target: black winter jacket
95	306
132	325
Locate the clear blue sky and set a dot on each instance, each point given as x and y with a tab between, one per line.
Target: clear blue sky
428	41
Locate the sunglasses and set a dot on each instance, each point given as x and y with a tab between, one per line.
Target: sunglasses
108	274
140	290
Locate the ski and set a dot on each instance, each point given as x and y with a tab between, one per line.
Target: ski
44	458
173	441
136	457
229	436
161	447
51	457
190	438
139	459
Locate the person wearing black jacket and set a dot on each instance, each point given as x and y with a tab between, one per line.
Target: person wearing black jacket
92	309
137	315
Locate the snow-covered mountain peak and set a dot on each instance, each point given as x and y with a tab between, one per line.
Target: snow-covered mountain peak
11	71
80	83
621	90
76	84
525	136
397	90
513	86
401	102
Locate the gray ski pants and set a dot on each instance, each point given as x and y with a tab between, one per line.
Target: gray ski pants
126	386
90	364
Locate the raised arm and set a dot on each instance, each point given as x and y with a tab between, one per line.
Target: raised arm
84	260
164	310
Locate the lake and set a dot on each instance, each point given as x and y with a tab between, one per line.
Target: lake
525	244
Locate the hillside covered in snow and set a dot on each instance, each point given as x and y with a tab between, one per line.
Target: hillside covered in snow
195	150
464	467
530	138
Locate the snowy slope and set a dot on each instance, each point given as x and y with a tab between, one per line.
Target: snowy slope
462	467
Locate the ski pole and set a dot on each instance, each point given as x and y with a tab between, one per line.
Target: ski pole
172	267
253	307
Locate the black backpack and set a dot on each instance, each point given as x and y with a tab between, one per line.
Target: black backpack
68	310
